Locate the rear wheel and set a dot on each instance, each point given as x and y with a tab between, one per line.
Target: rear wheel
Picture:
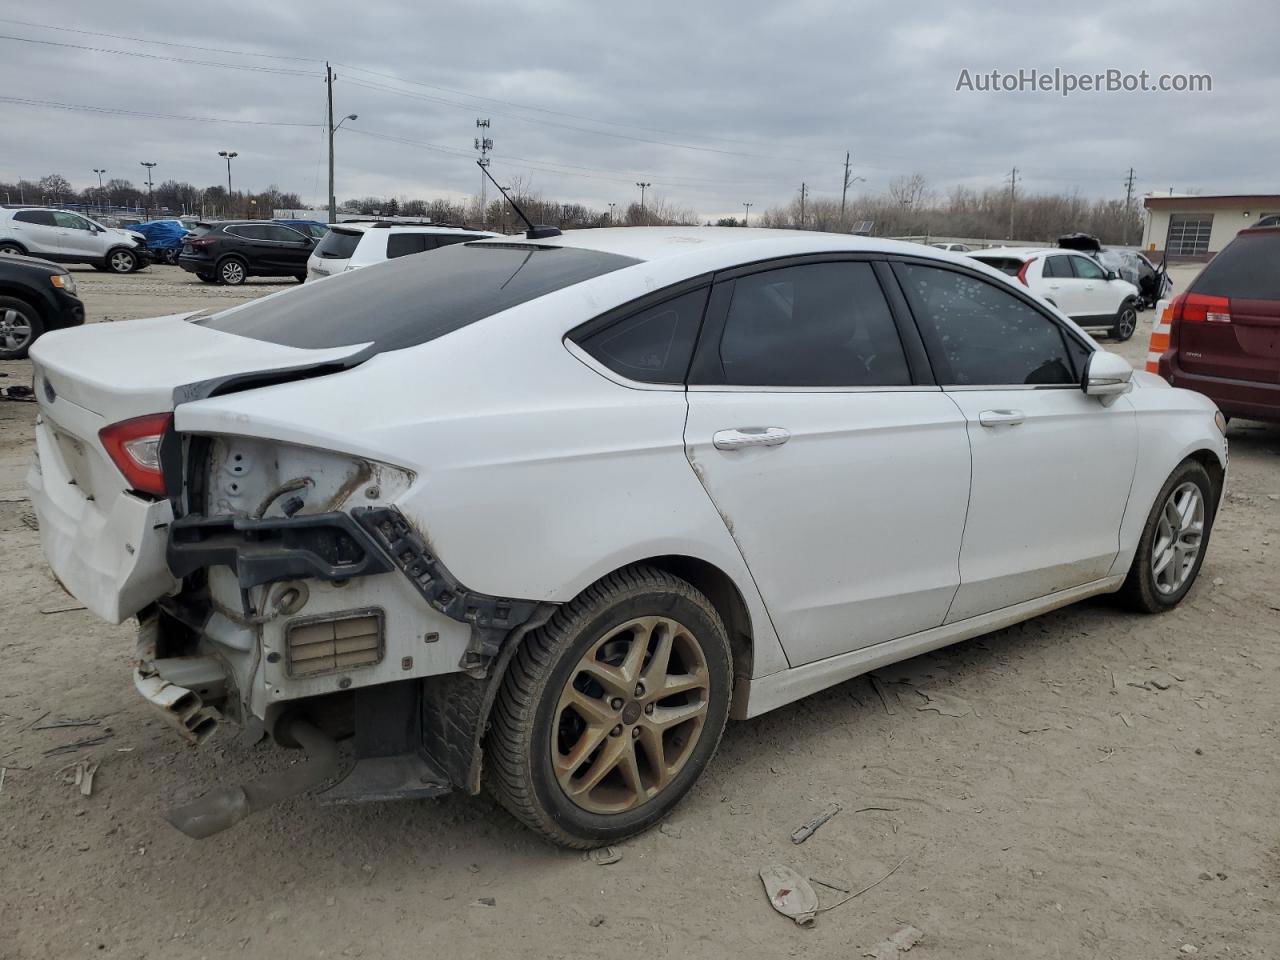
1126	321
122	261
1173	543
207	277
20	324
232	272
609	713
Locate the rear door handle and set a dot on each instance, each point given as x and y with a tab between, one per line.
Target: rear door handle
750	437
1001	418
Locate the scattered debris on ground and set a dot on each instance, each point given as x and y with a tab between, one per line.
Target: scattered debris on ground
807	830
789	893
603	856
896	945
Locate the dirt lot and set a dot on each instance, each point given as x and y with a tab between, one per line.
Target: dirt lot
1076	809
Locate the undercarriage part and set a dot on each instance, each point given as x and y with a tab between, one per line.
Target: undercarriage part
491	618
182	688
227	806
183	708
390	763
328	546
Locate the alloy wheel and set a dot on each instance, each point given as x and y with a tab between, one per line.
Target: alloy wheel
122	262
232	272
15	330
630	715
11	249
1128	323
1179	538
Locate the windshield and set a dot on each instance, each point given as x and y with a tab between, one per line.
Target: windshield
404	302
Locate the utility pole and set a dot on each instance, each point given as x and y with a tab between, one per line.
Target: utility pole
1128	205
643	187
1013	188
746	217
333	203
149	166
844	190
100	172
803	190
484	144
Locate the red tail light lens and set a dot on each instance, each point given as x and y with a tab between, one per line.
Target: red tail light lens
1197	308
134	447
1022	271
200	241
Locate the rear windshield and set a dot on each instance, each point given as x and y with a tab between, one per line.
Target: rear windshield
1009	265
338	244
1248	268
404	302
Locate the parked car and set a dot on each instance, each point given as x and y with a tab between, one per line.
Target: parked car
163	238
66	237
539	513
232	251
312	228
1079	286
349	246
35	296
953	247
1221	337
1152	282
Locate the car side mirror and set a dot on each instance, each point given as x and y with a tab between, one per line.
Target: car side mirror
1106	376
1112	275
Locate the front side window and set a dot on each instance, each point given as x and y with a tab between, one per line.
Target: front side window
1086	269
70	220
815	325
654	345
978	334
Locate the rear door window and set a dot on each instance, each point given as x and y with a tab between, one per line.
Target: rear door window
403	244
1057	268
1248	268
409	301
339	244
248	231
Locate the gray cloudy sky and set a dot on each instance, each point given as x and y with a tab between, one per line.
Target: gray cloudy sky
716	102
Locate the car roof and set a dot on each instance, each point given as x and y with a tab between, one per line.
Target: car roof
410	228
1024	253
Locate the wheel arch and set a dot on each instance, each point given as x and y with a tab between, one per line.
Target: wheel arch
17	243
19	293
1213	466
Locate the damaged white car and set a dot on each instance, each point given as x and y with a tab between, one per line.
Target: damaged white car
540	514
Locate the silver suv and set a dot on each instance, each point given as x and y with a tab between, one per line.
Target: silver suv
67	237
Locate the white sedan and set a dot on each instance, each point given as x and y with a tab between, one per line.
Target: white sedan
541	514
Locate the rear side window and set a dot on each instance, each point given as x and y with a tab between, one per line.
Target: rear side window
1009	265
1248	268
654	345
980	335
816	325
42	217
338	244
1056	268
403	244
401	303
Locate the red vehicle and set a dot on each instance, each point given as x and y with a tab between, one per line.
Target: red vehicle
1222	336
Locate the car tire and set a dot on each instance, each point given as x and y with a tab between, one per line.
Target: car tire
576	752
206	277
300	277
1126	321
20	325
232	271
121	260
1182	516
12	249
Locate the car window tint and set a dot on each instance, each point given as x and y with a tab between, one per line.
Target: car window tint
1008	265
1056	268
409	301
1248	268
42	217
444	239
403	244
654	345
338	244
70	220
978	334
1086	269
816	325
281	233
248	231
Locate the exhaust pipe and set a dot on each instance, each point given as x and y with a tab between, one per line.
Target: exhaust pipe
226	806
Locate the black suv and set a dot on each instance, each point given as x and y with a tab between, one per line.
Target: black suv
231	251
35	296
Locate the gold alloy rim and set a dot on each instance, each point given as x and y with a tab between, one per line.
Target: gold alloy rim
630	716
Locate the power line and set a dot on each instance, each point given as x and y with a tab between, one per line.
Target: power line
162	43
282	71
120	111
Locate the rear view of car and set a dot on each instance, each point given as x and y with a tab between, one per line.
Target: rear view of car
355	245
1222	336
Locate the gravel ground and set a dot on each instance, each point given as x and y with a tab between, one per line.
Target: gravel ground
1110	790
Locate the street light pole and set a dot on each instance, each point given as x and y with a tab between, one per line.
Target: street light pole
100	171
643	187
228	154
611	218
149	165
333	200
746	217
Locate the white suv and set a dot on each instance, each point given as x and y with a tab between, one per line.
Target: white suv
67	237
1079	286
348	246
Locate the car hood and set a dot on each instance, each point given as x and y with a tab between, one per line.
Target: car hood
128	369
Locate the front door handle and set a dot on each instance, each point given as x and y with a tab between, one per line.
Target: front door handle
750	437
1001	418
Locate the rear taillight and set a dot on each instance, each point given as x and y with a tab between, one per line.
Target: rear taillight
200	241
1022	272
134	447
1197	308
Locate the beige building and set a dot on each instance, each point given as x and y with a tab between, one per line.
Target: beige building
1193	227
